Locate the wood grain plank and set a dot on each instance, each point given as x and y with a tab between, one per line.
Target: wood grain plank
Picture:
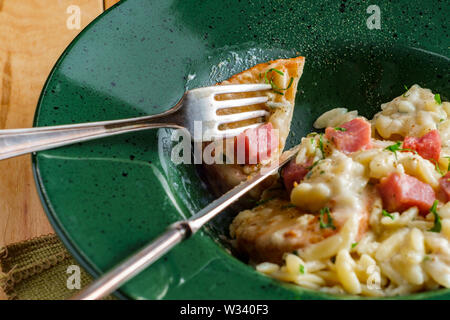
33	33
109	3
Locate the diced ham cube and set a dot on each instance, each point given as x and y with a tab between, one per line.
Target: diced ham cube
428	146
255	145
401	191
352	136
445	186
294	172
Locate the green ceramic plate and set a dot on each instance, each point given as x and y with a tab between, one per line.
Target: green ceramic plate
107	198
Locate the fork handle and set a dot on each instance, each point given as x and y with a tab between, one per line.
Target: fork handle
15	142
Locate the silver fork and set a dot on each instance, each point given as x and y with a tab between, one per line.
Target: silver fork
195	105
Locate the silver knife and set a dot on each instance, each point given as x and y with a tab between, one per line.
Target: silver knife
175	234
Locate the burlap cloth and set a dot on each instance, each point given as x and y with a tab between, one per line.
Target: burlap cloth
37	269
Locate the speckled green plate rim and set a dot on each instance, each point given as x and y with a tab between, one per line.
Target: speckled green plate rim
57	226
63	236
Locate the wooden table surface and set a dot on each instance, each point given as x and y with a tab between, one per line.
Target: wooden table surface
33	34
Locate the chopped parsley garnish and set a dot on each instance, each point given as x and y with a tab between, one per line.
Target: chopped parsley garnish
308	175
437	219
329	223
438	169
276	70
410	150
290	83
394	148
310	169
313	165
321	145
426	258
437	98
387	214
260	202
275	88
340	129
398	147
278	92
448	169
302	269
354	245
404	94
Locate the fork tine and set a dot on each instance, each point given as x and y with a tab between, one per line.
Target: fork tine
235	88
241	116
222	104
221	134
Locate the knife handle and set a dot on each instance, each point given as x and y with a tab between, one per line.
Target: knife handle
176	233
